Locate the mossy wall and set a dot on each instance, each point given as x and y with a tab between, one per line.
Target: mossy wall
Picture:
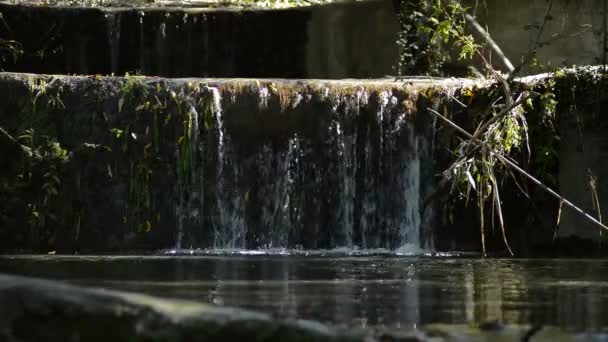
108	164
146	163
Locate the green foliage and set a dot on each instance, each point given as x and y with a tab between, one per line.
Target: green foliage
50	158
480	173
429	28
9	49
162	133
37	182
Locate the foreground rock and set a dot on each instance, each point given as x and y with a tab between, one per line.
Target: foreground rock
40	310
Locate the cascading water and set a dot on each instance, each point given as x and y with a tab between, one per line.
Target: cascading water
113	32
309	169
142	47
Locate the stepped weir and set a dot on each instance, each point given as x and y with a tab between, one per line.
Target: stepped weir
188	158
235	158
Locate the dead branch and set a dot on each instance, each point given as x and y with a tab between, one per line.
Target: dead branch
490	41
519	169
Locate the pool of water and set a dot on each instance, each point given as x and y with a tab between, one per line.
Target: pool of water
363	291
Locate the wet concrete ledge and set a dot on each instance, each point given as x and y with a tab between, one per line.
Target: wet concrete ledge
412	83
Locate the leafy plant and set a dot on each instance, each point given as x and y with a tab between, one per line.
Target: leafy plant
429	28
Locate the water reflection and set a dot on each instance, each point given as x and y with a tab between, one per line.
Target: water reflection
358	291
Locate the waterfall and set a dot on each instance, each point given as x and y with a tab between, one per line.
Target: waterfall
304	169
230	228
113	32
142	43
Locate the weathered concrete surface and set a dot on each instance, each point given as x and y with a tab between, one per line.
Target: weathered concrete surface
583	156
572	36
354	43
333	41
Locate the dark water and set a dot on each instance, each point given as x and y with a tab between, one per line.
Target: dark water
388	291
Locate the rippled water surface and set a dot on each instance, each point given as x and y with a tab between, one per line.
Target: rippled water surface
363	290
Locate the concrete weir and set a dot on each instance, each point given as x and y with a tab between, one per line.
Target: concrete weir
146	163
101	163
231	163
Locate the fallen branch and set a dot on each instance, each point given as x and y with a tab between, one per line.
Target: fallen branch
520	170
506	110
478	132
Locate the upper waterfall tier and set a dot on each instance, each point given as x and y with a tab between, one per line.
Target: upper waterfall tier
330	41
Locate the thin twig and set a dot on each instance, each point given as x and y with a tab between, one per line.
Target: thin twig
520	170
454	98
498	207
490	41
534	49
500	115
559	218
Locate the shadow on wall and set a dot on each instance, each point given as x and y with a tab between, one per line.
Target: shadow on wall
333	41
572	35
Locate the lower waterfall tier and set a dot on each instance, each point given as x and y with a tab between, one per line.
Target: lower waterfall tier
129	164
146	163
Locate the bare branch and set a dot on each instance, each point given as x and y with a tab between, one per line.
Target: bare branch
490	41
520	170
532	53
